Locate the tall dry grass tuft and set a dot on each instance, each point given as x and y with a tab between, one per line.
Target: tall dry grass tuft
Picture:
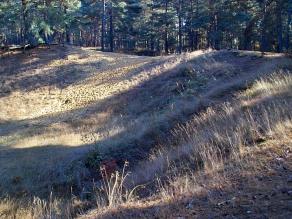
277	83
36	208
112	190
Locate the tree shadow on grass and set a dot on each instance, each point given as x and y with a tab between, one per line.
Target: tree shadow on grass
149	100
17	63
63	169
36	169
41	170
43	72
130	144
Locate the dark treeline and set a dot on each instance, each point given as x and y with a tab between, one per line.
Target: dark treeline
149	26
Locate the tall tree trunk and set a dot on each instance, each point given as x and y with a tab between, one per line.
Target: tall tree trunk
111	34
196	43
212	32
96	27
67	31
263	43
24	28
152	36
46	4
216	30
247	36
279	26
190	29
166	28
288	29
103	26
179	12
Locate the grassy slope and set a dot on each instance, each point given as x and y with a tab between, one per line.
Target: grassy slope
69	100
252	180
243	148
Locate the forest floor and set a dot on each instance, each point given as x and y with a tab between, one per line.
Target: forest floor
59	105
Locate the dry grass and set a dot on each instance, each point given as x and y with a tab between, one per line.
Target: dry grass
83	98
202	142
112	191
234	139
276	84
109	194
36	209
127	105
246	188
60	102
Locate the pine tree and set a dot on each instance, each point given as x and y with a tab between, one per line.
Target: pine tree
149	26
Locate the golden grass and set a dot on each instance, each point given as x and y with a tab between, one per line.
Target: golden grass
203	142
58	111
37	208
216	147
79	115
276	84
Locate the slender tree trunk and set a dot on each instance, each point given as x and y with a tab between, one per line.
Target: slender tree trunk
263	43
179	12
67	32
279	26
212	35
47	38
196	43
96	27
152	36
166	28
208	40
103	26
288	29
111	34
24	28
247	36
190	29
216	30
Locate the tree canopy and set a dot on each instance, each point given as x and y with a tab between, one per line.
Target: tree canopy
149	26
